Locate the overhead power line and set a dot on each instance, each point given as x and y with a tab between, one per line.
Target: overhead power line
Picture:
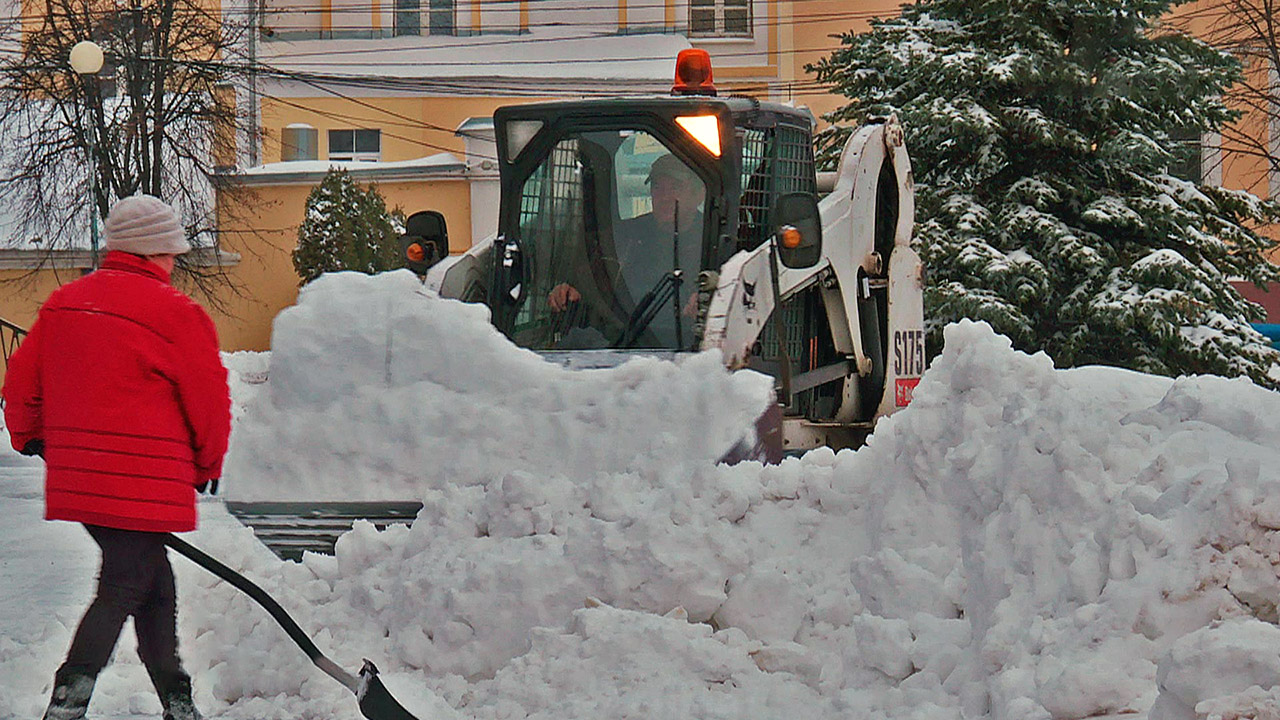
472	87
351	123
793	19
518	62
415	122
508	41
656	29
330	83
489	6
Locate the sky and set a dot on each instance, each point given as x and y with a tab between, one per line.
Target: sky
1021	542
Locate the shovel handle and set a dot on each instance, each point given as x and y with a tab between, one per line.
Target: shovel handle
260	596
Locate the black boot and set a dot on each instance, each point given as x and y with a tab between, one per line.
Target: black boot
175	696
72	689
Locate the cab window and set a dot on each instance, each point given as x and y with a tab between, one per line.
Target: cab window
611	228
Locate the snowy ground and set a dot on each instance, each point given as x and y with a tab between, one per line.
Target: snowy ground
1021	543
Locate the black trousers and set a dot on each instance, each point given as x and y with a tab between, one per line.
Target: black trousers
136	579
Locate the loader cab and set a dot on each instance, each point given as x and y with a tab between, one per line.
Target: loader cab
615	212
691	221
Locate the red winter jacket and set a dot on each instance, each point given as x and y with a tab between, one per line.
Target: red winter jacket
121	377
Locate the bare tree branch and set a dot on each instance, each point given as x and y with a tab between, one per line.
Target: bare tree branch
151	117
1250	29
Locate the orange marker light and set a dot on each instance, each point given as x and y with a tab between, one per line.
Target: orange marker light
415	253
693	73
790	237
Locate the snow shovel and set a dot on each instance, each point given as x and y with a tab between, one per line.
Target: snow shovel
376	702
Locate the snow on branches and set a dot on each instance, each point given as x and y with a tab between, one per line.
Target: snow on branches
1056	158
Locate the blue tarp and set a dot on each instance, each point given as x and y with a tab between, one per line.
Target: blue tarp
1271	330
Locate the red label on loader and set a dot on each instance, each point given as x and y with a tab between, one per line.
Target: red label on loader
903	389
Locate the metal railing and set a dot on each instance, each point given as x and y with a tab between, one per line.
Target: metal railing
292	528
10	338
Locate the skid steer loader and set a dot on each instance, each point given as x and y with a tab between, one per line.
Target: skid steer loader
681	223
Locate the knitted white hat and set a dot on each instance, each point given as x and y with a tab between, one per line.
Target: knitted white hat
145	225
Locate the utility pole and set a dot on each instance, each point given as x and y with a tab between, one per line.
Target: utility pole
255	15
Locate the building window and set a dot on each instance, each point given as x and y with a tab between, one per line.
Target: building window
1211	159
442	20
355	145
719	18
299	141
408	17
1187	155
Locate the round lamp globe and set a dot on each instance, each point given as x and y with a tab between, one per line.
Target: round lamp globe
86	57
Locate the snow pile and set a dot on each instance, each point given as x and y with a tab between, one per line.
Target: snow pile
247	374
1227	670
379	389
1022	542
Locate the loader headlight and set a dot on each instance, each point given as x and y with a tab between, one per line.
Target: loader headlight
703	128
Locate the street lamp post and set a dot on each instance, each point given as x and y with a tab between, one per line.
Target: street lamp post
86	59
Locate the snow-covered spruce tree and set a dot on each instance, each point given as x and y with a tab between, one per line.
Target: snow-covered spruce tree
1043	134
346	228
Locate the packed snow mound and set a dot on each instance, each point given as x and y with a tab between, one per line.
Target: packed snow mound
1193	684
394	391
1020	543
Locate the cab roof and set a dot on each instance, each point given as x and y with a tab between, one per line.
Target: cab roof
743	109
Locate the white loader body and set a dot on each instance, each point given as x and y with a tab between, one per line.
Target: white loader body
823	293
850	267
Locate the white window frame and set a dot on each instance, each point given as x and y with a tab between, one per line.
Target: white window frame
355	155
1211	159
298	153
1200	151
718	30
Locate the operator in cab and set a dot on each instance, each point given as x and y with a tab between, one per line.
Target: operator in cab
650	246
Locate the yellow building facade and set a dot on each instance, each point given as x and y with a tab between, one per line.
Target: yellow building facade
370	87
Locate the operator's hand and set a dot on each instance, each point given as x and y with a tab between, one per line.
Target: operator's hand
562	295
691	307
34	447
210	486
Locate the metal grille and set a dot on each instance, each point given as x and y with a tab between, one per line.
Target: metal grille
790	150
795	161
550	209
753	226
809	347
793	314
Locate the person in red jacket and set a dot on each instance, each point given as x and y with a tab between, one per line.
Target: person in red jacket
120	387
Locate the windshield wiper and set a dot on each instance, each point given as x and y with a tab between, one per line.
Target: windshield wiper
648	307
668	287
